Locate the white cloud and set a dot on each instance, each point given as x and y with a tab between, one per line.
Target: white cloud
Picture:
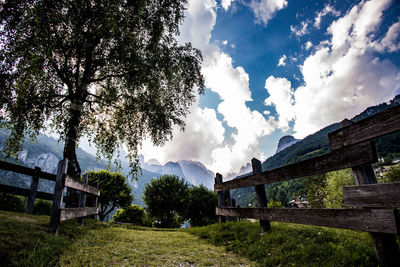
226	3
281	96
225	42
264	10
204	138
282	61
328	9
342	77
308	45
300	31
391	41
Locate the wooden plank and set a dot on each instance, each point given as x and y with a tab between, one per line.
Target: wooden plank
260	195
24	192
72	213
25	170
82	196
58	195
383	123
69	182
371	220
221	197
373	195
32	191
336	160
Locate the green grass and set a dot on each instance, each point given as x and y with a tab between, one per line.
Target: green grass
292	244
25	240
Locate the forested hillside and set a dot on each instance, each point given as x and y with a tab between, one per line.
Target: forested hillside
388	147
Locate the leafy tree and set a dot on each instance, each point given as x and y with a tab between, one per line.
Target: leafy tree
200	209
272	203
110	70
334	187
315	187
115	192
11	202
165	199
132	214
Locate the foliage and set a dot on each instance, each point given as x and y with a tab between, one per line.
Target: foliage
11	202
274	204
165	199
200	207
112	71
25	240
115	192
393	175
291	244
133	214
315	190
42	207
333	189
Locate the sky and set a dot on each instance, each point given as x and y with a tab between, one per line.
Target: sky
281	67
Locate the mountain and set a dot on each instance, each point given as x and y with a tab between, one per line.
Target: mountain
285	142
196	173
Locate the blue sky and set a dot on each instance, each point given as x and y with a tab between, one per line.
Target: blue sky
279	67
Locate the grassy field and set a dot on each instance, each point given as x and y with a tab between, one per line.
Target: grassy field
292	244
25	241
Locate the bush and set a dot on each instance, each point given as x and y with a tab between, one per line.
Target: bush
11	202
42	207
132	214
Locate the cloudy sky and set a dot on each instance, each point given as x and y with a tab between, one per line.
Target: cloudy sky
281	67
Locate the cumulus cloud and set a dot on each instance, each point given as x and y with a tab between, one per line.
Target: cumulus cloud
282	61
328	9
342	77
205	139
226	3
391	41
264	10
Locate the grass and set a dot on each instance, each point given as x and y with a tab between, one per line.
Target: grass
291	244
25	240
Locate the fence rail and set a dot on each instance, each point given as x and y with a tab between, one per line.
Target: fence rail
351	147
58	213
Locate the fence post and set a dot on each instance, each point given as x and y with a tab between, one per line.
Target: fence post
82	197
260	194
58	195
221	200
32	191
385	245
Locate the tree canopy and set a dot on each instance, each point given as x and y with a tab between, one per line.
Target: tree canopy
200	207
109	70
115	192
165	199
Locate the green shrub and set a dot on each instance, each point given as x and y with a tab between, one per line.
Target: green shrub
42	207
132	214
11	202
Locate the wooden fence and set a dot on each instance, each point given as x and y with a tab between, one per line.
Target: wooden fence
62	180
351	147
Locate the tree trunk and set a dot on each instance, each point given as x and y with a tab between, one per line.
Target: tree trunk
71	138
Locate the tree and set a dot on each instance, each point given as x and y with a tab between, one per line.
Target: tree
109	70
334	187
393	175
165	199
200	208
115	192
133	214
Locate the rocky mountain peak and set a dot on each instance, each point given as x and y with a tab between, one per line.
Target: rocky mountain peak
285	142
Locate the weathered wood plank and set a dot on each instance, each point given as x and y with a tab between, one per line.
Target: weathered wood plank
82	196
69	182
383	123
72	213
260	195
221	197
32	191
371	220
58	195
25	170
24	192
336	160
373	195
